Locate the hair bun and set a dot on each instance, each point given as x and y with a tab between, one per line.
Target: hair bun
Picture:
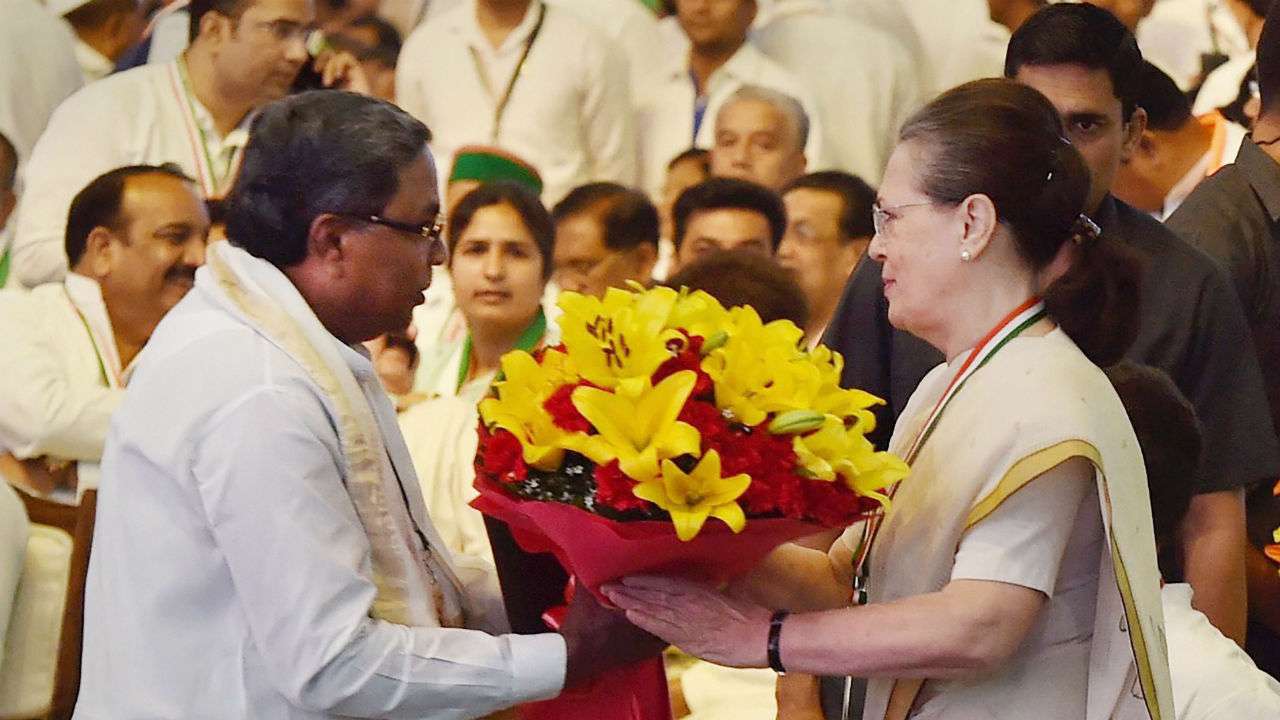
1085	231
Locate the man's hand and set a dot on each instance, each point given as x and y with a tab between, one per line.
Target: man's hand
341	71
598	639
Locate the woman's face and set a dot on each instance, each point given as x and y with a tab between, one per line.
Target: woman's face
918	241
496	268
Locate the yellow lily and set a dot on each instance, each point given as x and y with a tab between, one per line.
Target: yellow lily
637	427
834	451
832	399
760	369
620	339
698	313
518	407
691	498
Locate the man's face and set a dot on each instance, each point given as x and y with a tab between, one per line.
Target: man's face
585	264
680	177
362	42
724	229
261	53
1147	177
719	24
815	249
149	263
388	269
1093	117
754	141
1129	12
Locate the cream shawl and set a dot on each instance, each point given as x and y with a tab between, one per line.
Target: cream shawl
1037	403
415	586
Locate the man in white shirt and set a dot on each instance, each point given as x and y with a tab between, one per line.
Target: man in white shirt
955	41
760	136
680	112
632	27
14	530
1176	151
526	76
261	547
104	29
1213	679
193	112
38	70
134	239
862	78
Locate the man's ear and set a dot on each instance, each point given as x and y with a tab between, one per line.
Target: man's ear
324	242
1133	131
101	253
646	257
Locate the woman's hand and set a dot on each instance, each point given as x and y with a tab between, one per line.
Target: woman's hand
697	619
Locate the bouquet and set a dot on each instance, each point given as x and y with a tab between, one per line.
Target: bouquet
667	434
1273	551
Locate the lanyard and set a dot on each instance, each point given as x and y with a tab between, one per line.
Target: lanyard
213	183
528	340
500	107
1013	324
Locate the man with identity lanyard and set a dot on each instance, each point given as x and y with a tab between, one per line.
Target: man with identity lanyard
193	112
528	77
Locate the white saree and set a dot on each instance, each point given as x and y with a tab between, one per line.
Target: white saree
1036	404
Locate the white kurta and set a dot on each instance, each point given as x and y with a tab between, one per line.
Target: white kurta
38	70
862	78
1222	87
141	116
230	576
666	115
569	113
14	530
1213	679
630	26
1178	32
93	64
957	40
59	380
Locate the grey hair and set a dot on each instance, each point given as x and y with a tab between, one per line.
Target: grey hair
780	101
324	151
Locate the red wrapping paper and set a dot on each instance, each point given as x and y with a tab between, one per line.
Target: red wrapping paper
597	550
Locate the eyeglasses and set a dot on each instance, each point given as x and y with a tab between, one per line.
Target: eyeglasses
432	231
880	216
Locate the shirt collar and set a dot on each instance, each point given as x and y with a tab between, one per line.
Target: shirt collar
86	294
743	65
93	64
1263	174
1183	187
515	39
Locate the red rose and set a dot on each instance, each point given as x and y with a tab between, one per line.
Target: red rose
613	489
562	411
501	457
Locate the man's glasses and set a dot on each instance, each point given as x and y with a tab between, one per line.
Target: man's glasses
432	231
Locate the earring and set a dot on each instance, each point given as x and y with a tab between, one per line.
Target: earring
965	256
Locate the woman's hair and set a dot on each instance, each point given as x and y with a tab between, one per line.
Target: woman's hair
518	197
739	277
1002	139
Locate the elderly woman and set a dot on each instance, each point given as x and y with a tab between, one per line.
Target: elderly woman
1014	575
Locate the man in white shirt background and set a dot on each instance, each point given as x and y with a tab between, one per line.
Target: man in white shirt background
862	78
760	136
261	548
192	112
38	70
680	112
529	77
105	30
1176	151
135	237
